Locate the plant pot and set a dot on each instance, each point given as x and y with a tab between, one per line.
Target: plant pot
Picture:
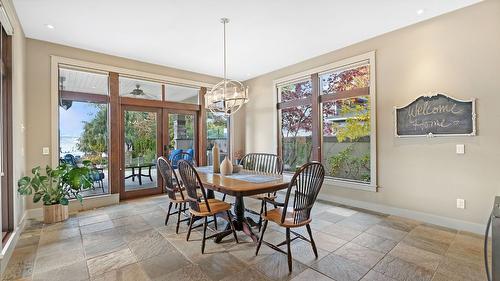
55	213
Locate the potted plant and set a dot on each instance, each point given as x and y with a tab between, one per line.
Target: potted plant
56	187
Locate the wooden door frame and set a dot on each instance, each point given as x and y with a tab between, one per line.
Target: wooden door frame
159	147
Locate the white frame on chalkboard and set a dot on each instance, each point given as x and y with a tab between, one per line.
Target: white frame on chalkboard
431	135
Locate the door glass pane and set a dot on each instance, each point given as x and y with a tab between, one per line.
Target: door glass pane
140	129
181	132
296	133
217	132
83	135
181	94
141	89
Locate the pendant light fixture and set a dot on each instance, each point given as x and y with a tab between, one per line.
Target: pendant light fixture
228	96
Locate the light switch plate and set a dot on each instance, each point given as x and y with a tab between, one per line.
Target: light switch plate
460	149
45	151
461	203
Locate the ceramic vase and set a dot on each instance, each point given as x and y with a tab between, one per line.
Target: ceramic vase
215	158
226	167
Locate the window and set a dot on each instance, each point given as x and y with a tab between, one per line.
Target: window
329	116
140	89
217	132
346	123
181	94
83	123
296	124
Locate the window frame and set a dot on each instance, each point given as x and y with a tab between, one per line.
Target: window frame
316	102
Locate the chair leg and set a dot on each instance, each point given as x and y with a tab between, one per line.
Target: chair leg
178	218
204	235
230	218
260	213
215	221
168	212
312	240
191	221
289	252
261	237
224	197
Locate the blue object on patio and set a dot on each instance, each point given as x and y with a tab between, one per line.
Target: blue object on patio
70	159
97	175
173	157
189	154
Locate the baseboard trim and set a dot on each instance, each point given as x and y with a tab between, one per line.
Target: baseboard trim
9	247
411	214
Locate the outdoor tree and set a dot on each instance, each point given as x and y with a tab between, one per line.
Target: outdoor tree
93	140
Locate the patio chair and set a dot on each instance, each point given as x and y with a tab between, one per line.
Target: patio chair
295	212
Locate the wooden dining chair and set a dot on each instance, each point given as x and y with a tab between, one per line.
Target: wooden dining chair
174	190
267	164
202	207
295	211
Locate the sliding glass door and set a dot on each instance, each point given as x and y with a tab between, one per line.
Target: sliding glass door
182	127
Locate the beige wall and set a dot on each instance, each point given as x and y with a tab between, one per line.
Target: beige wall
457	53
38	118
18	122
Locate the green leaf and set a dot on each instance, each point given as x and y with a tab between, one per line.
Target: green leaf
37	197
23	182
64	201
79	198
36	170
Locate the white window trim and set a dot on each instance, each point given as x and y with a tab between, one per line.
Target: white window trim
370	58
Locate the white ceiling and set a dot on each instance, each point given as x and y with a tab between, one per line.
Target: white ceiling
263	35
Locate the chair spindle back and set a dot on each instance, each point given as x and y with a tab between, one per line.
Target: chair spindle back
192	182
263	163
170	181
305	185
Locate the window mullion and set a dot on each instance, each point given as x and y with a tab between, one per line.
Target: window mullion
316	118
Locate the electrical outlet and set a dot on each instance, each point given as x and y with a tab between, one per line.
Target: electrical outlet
460	203
45	151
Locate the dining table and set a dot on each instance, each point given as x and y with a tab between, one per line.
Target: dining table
242	184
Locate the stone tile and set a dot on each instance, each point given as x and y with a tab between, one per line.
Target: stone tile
159	267
433	232
375	242
375	276
69	223
111	261
57	260
249	275
60	246
319	224
131	232
155	219
132	272
56	235
275	267
342	232
387	232
310	274
245	252
89	228
329	217
188	273
73	272
461	270
302	251
399	223
359	254
150	245
340	268
402	270
21	263
218	266
129	220
419	257
102	242
427	243
327	242
346	212
93	219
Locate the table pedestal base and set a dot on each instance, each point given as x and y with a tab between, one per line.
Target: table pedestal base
241	223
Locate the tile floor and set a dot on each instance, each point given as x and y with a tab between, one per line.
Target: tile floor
130	242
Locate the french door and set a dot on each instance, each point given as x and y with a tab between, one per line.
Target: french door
147	133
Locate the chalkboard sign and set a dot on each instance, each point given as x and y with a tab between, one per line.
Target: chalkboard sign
437	115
